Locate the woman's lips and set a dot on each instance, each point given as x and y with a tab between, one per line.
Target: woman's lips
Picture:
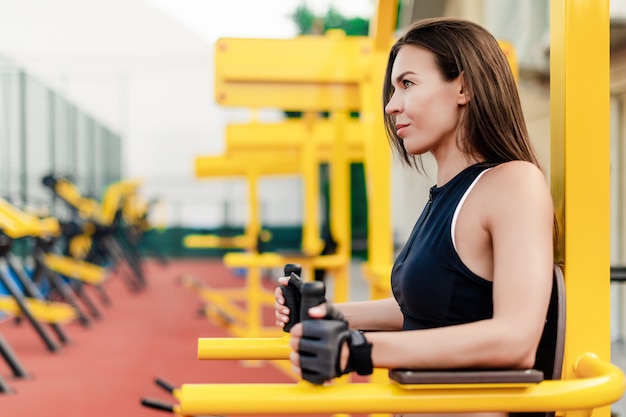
400	128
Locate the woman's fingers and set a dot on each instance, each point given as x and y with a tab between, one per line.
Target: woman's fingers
294	357
281	312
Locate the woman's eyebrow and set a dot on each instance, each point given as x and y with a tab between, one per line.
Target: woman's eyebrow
400	76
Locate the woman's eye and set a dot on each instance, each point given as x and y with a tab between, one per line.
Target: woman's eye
406	83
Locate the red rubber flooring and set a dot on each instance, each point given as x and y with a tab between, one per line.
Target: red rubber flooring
107	368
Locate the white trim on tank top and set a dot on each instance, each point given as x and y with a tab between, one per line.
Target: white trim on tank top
461	201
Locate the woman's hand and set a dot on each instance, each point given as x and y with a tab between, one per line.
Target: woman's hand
296	336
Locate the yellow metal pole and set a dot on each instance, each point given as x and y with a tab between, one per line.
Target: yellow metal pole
340	207
311	242
233	348
579	83
377	164
378	155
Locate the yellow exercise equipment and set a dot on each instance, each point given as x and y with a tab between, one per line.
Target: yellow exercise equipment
43	311
595	383
76	269
304	160
251	167
100	220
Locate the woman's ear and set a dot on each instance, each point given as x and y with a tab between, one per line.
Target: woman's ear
463	97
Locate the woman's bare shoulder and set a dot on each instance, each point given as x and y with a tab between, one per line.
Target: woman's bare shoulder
516	176
516	186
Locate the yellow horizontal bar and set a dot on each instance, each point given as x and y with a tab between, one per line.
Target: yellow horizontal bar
228	166
323	261
318	73
269	260
262	260
310	59
76	269
289	154
261	348
213	241
293	134
598	384
297	97
44	311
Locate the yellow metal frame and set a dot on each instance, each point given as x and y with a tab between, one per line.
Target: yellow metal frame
292	136
113	199
251	167
225	305
237	84
76	269
17	223
43	311
579	168
596	383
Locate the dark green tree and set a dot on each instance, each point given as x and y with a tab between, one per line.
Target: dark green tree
308	23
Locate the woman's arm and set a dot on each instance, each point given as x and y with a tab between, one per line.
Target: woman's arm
365	315
375	315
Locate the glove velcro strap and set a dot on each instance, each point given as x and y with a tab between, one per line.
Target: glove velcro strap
360	359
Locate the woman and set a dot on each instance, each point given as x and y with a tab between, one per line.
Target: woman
472	285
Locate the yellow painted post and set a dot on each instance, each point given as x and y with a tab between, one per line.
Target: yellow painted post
378	155
579	90
254	282
311	241
377	164
254	217
340	207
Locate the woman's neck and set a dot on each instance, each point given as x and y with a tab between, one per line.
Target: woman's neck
448	167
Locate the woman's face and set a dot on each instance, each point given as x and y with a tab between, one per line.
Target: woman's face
426	108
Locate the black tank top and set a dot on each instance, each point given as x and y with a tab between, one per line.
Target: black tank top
432	285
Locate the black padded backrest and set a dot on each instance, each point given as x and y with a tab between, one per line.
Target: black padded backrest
549	357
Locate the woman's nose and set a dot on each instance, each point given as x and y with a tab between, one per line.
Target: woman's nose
392	106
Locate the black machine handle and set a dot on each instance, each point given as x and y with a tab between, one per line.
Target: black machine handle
165	385
157	404
291	293
313	294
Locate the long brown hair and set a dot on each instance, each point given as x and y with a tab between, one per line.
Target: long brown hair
493	126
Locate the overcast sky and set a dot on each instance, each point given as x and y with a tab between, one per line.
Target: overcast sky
252	18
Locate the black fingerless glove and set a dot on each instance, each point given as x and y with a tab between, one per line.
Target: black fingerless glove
320	350
292	292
